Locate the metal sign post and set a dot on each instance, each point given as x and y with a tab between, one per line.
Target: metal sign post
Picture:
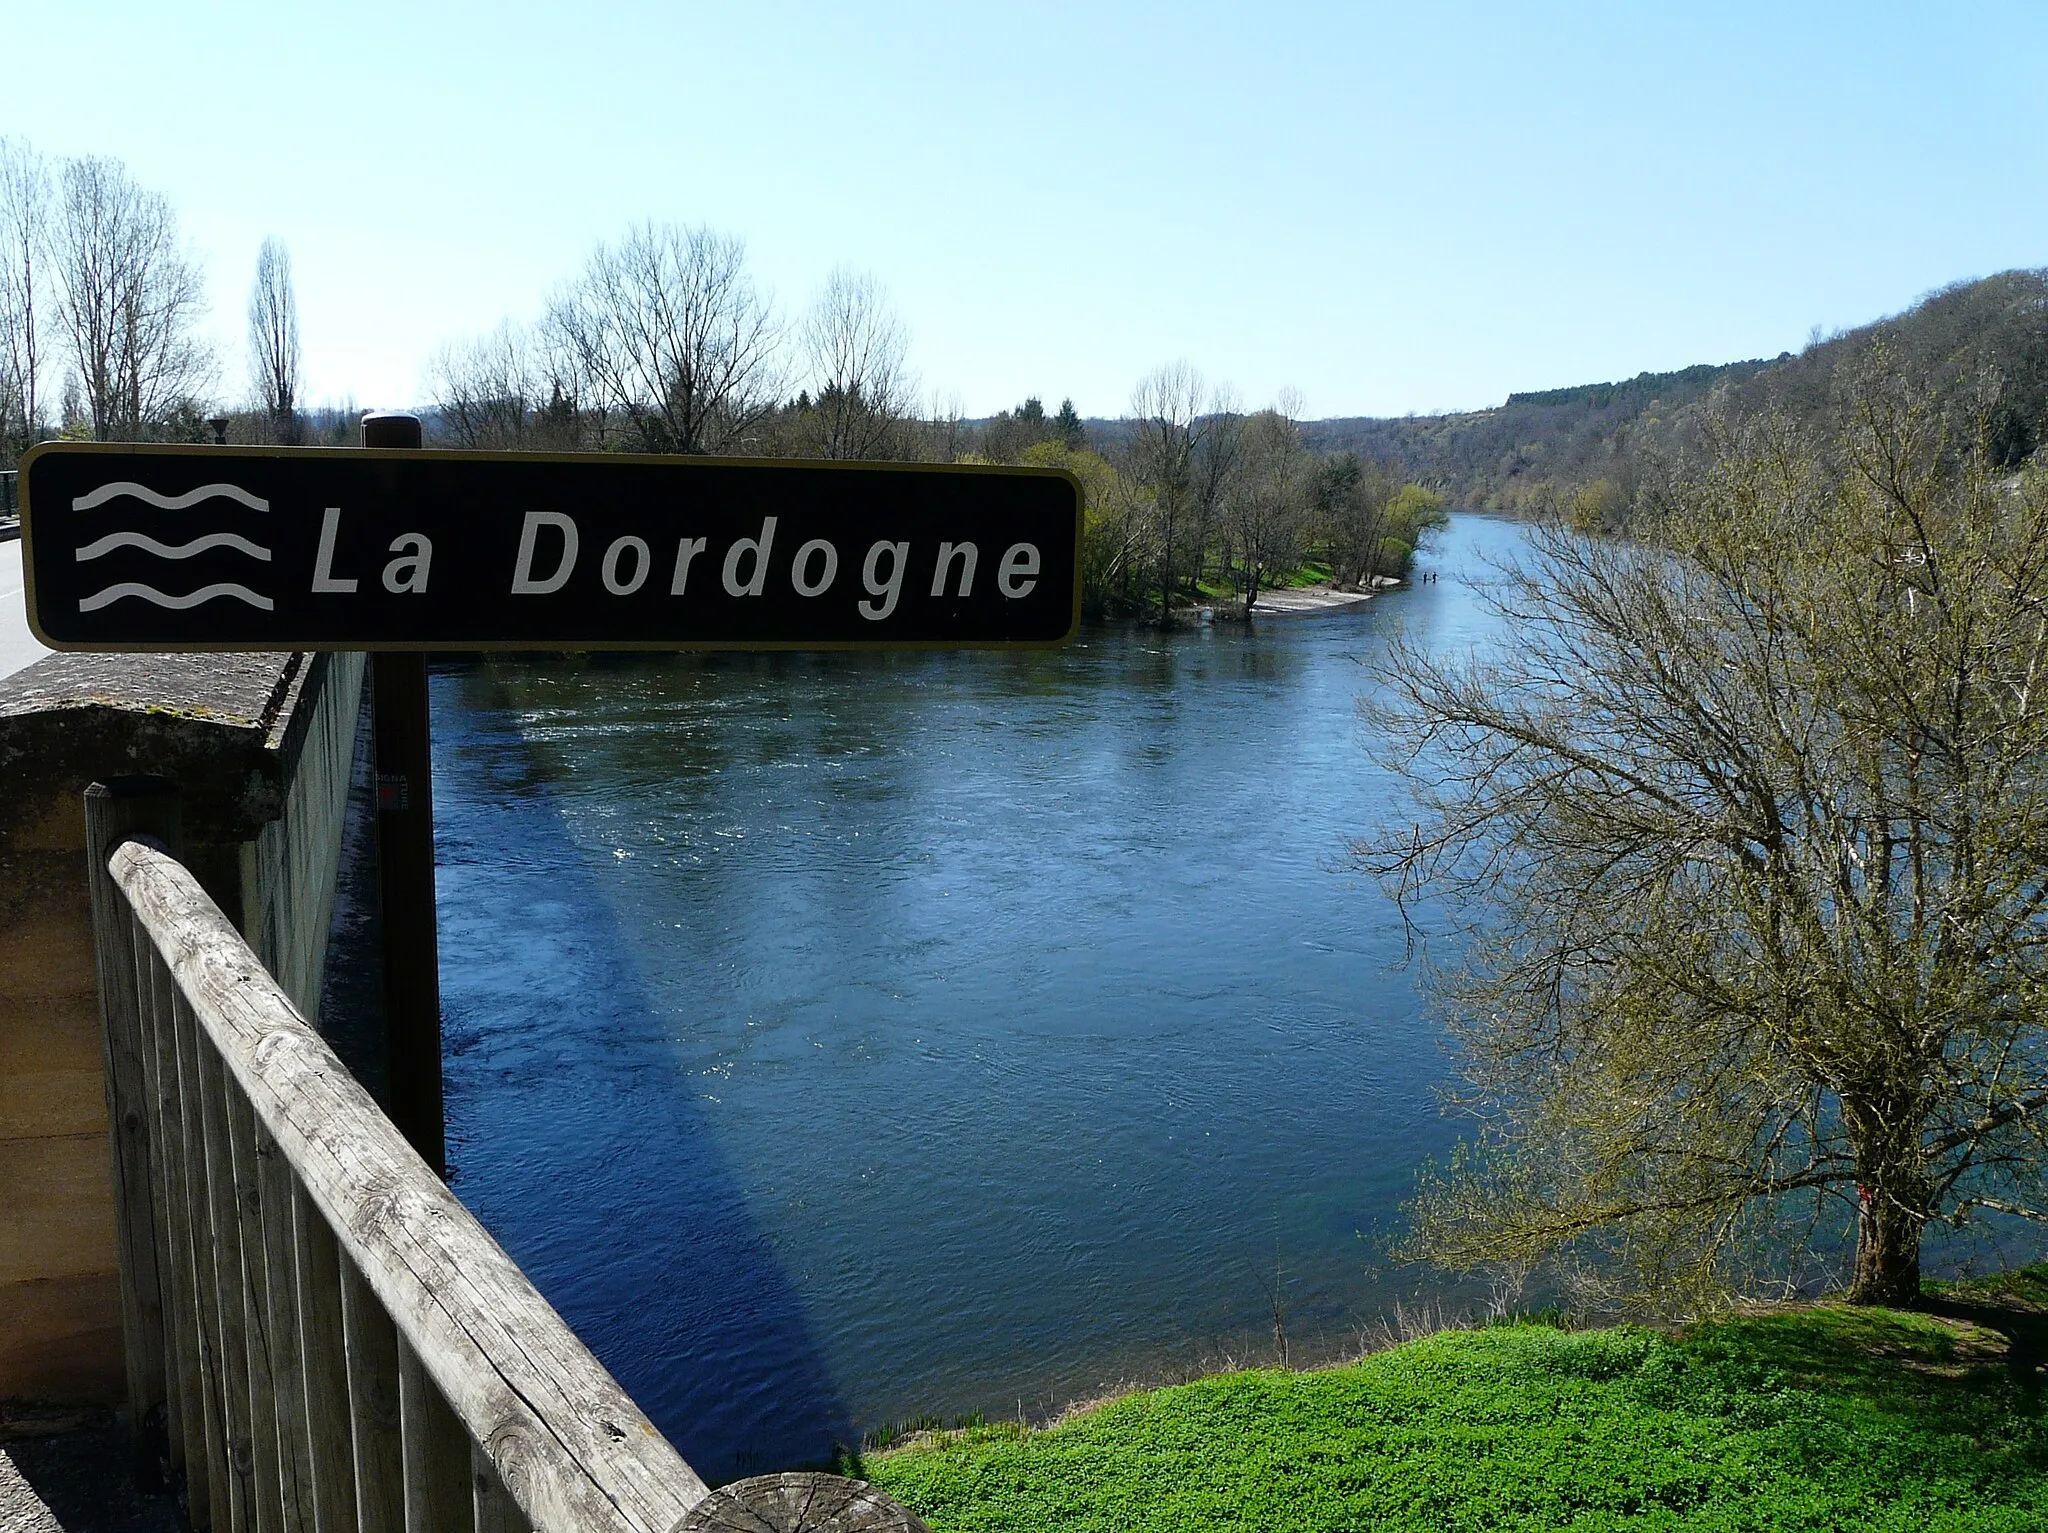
401	731
401	551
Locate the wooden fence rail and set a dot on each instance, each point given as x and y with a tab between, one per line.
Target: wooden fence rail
321	1335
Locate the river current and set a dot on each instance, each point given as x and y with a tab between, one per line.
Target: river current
842	1039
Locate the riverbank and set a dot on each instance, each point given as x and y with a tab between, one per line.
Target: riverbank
1812	1416
1292	601
1288	601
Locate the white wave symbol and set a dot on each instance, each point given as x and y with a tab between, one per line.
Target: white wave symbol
135	588
147	544
119	487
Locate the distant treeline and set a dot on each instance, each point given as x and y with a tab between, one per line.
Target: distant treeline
662	343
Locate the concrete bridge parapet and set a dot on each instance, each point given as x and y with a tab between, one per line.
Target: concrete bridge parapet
260	747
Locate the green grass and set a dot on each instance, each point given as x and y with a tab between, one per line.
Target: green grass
1315	572
1825	1417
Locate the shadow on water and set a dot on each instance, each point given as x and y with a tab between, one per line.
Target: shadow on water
840	1039
600	1178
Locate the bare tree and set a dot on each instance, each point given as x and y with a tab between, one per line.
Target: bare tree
1748	830
856	348
488	391
1168	429
1269	498
274	341
24	306
131	298
1217	457
945	435
665	343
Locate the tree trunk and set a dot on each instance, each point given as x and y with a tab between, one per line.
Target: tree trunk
1891	1195
1887	1252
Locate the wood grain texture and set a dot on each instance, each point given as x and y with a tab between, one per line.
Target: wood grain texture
277	1249
371	1342
800	1503
495	1511
213	1388
267	1455
438	1498
180	1366
237	1478
567	1442
190	1352
323	1368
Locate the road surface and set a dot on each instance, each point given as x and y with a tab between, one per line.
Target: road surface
18	647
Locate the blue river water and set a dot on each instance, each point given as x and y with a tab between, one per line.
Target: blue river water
838	1039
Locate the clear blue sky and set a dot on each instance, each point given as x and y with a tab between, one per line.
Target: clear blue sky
1389	207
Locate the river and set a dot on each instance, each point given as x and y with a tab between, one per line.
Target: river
838	1039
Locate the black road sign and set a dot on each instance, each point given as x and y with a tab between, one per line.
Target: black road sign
163	548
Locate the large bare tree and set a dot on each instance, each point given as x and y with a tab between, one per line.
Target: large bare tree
274	342
1747	827
130	300
24	299
1168	429
665	342
1218	458
856	350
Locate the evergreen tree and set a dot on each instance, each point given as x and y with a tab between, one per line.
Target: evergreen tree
1067	426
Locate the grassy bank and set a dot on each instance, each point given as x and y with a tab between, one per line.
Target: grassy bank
1820	1417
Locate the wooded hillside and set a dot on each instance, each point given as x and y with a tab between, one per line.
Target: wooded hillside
1987	337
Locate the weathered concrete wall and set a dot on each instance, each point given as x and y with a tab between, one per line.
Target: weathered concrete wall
288	872
259	746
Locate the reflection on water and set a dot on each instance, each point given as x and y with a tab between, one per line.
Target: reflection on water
841	1038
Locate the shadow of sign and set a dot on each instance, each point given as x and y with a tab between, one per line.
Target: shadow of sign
567	1145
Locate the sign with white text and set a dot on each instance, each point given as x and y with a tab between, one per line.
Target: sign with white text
170	548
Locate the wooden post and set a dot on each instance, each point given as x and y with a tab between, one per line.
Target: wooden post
371	1343
189	1245
799	1499
405	872
273	1484
279	1254
495	1510
214	1376
323	1360
185	1386
113	812
224	1278
438	1498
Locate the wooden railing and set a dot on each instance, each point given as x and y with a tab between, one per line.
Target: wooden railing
321	1334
